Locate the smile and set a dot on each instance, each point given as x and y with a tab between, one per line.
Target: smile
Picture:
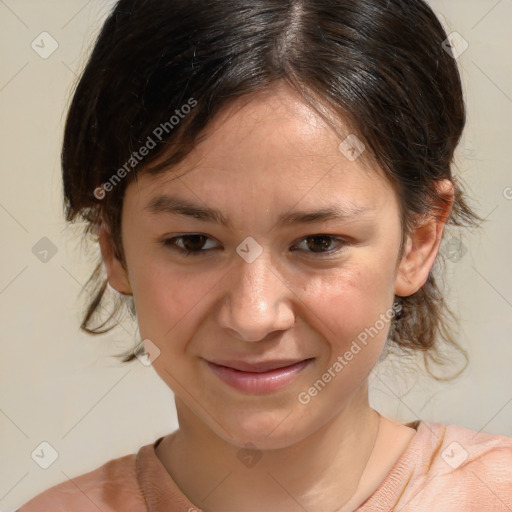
258	378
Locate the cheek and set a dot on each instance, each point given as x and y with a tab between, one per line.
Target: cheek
352	311
167	301
349	305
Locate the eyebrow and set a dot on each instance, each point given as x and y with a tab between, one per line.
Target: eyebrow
169	205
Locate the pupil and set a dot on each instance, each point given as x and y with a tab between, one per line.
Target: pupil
324	243
189	244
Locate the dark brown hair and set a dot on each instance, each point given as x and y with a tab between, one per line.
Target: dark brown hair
377	65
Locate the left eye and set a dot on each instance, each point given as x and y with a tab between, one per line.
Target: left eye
195	244
319	244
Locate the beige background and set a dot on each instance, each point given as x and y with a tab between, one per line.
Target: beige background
61	386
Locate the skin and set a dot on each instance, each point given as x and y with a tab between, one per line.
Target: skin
268	156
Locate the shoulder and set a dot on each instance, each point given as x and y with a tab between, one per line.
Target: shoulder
460	467
110	488
461	448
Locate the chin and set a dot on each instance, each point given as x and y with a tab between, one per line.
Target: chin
266	430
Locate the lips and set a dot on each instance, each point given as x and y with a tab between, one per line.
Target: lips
260	377
264	366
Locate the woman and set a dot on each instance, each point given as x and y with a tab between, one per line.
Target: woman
269	182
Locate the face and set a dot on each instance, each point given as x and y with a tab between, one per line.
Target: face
274	319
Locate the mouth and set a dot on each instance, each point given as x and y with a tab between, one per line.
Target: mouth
258	378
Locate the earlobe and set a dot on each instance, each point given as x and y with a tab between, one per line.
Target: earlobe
116	274
422	245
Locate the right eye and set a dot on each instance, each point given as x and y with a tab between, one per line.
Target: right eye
188	245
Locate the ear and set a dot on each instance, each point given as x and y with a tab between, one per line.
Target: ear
422	245
117	275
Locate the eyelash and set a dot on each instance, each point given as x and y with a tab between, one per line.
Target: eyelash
171	244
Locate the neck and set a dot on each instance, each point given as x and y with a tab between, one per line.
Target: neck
321	472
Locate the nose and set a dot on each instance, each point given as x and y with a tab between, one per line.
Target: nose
257	302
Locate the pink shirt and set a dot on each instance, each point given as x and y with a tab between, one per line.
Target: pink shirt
445	468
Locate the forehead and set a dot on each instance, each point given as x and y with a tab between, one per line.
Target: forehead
271	146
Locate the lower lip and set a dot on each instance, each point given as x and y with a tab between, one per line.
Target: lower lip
258	383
